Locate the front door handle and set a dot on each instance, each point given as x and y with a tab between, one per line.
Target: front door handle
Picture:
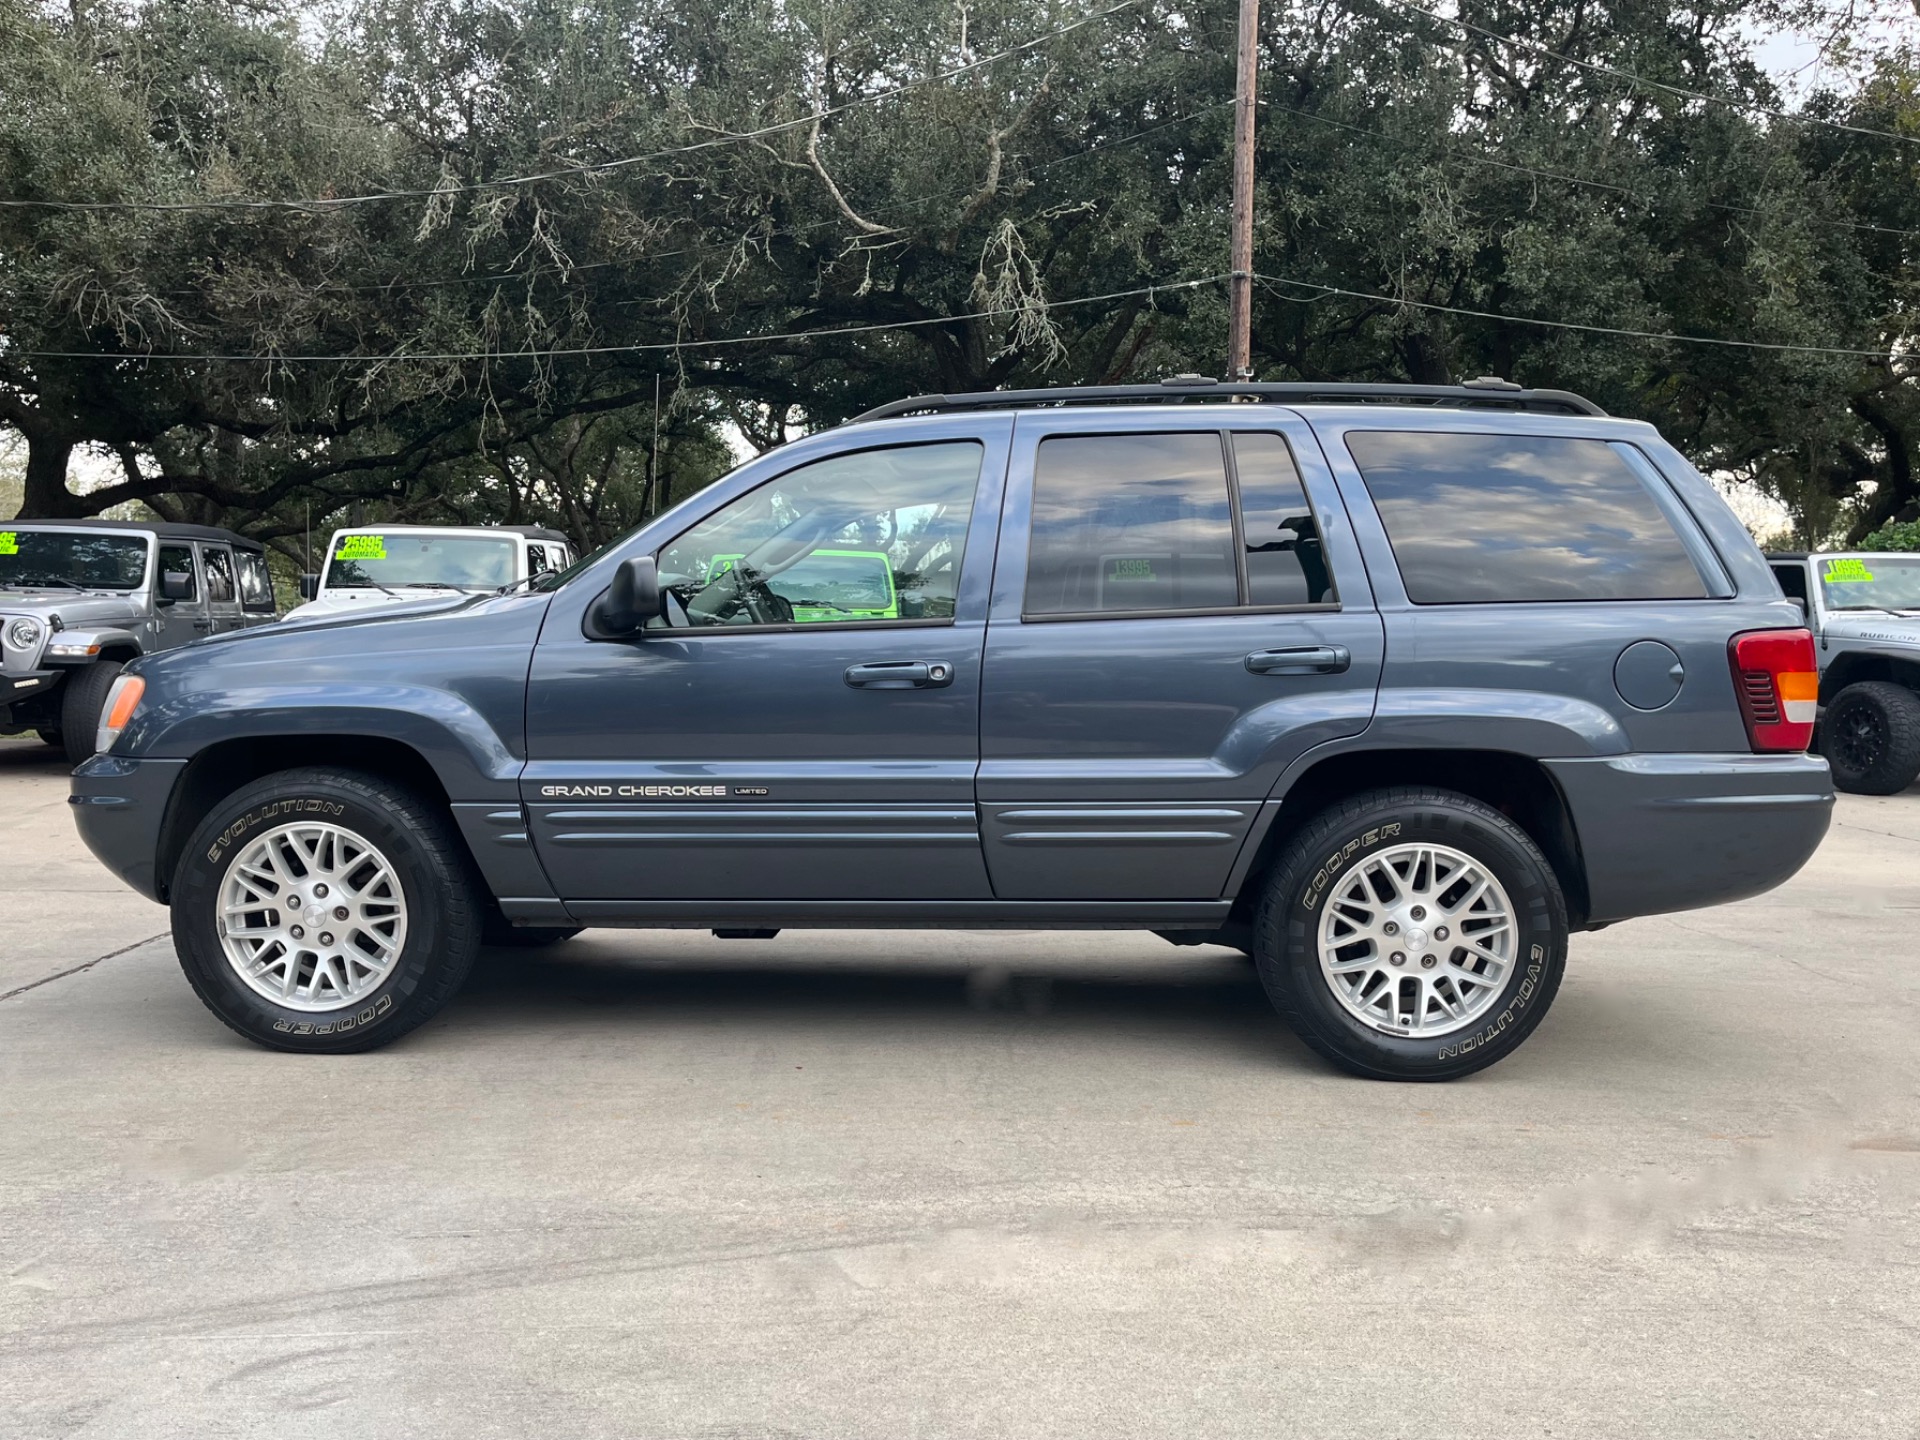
900	675
1301	660
202	624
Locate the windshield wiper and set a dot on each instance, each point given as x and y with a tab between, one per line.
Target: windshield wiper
42	581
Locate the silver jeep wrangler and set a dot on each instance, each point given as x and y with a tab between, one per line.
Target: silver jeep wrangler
80	598
1864	610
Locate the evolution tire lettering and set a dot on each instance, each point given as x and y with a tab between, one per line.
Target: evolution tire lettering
1537	959
1336	862
269	812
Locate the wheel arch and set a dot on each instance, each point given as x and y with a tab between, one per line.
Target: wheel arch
1515	784
224	767
1855	666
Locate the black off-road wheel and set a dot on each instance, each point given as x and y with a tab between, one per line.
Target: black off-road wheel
325	911
1411	934
1871	738
82	699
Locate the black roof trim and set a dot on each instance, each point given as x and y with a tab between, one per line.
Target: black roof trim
165	529
1486	393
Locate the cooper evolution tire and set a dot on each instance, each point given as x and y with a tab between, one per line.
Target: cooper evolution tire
81	702
1411	934
1870	735
325	911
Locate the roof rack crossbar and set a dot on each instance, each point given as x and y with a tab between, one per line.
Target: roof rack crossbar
1486	393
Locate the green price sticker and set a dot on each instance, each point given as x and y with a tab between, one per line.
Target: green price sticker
362	547
9	542
1848	572
1131	570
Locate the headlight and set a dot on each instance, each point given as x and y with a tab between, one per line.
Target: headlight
23	634
122	700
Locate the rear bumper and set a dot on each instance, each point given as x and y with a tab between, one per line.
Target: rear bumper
1676	832
120	806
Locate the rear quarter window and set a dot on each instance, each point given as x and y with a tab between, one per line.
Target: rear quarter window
1476	519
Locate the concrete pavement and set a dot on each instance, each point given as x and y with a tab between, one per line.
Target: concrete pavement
855	1184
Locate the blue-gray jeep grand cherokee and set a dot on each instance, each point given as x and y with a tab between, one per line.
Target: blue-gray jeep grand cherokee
1391	687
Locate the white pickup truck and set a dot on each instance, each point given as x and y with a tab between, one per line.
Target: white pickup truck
1864	610
380	565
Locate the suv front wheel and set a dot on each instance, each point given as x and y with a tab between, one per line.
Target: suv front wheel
325	911
1412	934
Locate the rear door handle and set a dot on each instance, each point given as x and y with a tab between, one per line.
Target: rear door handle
201	624
1301	660
900	675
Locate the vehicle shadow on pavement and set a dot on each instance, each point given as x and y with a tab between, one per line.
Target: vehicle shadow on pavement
1210	998
27	755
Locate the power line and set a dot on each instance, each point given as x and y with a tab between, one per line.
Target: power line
1565	178
1679	90
340	201
1273	280
1150	291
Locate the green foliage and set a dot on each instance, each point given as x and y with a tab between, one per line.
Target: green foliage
1896	535
960	230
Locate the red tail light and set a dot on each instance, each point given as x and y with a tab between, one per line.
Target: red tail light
1778	682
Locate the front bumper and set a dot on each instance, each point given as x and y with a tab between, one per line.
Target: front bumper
120	807
27	685
1664	832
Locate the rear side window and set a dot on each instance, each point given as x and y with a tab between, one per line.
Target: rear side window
256	584
219	563
1475	519
1155	523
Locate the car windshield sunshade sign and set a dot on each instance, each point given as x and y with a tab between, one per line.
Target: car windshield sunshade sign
428	561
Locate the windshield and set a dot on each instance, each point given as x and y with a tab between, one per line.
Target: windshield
398	558
31	559
1870	582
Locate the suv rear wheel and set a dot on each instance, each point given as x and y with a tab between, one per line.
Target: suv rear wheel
325	911
1411	934
1871	737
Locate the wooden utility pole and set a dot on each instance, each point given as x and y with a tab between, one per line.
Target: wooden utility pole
1240	283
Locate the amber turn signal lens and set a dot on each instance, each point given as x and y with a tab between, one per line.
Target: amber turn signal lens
122	701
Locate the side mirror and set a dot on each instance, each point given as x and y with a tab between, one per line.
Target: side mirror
631	600
175	585
1800	600
309	586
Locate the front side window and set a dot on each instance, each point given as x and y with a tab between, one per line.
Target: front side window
871	537
1476	519
1160	523
70	560
219	563
177	561
256	584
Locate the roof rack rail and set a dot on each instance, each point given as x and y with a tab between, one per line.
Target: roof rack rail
1486	393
